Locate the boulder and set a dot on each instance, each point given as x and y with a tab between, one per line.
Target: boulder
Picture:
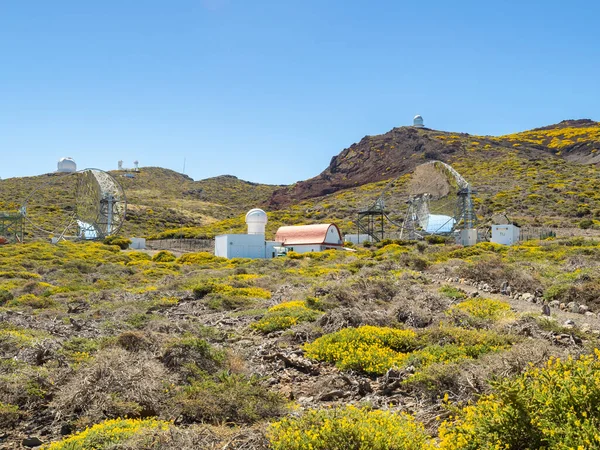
527	296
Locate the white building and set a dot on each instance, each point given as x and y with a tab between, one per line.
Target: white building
251	245
418	121
66	165
310	238
357	238
505	234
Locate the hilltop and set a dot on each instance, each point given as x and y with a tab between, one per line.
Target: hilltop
385	156
157	198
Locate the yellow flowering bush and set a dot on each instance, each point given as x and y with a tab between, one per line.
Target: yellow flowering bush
369	349
105	434
201	290
554	407
286	315
348	427
482	308
374	350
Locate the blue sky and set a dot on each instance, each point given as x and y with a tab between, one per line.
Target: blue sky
269	90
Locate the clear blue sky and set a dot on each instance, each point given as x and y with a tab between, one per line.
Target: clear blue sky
270	90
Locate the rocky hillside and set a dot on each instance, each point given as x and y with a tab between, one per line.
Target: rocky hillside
389	155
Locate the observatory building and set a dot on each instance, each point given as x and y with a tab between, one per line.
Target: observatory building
66	165
300	239
250	245
418	121
310	238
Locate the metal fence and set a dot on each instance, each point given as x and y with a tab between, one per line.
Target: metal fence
182	245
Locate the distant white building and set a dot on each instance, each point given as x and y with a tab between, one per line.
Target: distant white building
251	245
418	121
357	238
66	165
310	238
505	234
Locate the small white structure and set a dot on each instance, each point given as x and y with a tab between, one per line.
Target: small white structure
505	234
468	237
310	238
136	165
120	165
418	121
138	243
357	238
251	245
66	165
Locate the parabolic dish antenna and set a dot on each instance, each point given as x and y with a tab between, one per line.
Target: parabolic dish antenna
439	199
432	199
88	204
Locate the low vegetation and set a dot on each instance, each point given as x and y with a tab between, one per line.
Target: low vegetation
127	349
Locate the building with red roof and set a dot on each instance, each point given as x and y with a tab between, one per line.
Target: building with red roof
310	238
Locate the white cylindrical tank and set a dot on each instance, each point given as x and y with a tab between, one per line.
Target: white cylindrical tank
418	122
66	165
256	219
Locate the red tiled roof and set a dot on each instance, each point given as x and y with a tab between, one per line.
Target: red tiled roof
305	234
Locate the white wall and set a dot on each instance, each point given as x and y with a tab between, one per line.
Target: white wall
305	248
357	238
333	236
468	237
505	234
138	243
243	246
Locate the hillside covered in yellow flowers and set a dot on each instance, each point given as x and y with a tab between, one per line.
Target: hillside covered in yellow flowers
400	345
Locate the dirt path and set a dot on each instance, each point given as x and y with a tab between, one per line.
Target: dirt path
523	306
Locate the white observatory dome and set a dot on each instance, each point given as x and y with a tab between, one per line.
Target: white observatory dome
66	165
256	219
418	121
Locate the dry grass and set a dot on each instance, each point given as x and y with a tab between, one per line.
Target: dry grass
116	383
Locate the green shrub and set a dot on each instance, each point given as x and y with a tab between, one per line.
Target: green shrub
586	224
198	258
33	301
286	315
106	434
452	292
478	310
225	290
348	427
164	256
368	349
555	407
435	239
202	290
374	350
229	399
192	354
5	296
122	242
9	415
